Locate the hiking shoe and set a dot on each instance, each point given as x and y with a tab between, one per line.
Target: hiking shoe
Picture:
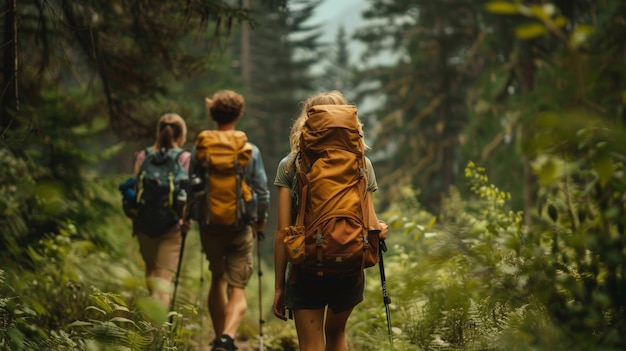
224	343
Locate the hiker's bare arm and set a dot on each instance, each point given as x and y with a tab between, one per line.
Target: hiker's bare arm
260	226
375	222
384	229
138	161
280	259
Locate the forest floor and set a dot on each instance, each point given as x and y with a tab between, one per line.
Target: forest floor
241	344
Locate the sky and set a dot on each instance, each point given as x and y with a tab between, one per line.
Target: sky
347	13
335	13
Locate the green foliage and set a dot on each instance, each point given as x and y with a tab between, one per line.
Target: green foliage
54	181
480	279
581	232
15	183
83	315
128	55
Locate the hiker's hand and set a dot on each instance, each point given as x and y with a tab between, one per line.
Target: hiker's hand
185	225
384	229
260	226
279	305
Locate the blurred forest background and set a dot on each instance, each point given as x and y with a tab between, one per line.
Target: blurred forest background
497	133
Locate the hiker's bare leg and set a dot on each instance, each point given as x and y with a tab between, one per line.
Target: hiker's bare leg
336	330
217	303
158	283
235	310
310	329
150	273
163	285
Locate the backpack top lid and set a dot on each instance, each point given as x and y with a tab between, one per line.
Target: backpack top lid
219	146
157	162
161	155
332	127
340	116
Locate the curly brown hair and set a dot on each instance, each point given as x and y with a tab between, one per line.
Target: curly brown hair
225	106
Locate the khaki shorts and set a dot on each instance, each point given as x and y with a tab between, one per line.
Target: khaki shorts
230	254
161	252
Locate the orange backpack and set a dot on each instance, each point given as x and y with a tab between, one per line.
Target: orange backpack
222	156
331	236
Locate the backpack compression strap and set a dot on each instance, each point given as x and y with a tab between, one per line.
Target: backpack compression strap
141	176
170	176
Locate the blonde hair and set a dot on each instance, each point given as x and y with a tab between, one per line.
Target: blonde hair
333	97
225	106
171	131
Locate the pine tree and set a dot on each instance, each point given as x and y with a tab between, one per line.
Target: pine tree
423	89
283	49
127	53
338	73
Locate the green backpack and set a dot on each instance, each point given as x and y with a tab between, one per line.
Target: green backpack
161	192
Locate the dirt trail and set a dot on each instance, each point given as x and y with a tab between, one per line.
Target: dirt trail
242	345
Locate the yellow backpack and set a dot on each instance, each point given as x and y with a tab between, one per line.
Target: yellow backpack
222	157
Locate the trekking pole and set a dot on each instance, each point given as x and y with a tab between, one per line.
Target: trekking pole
185	216
383	281
260	237
202	256
177	275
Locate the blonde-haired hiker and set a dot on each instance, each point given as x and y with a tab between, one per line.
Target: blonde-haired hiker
321	304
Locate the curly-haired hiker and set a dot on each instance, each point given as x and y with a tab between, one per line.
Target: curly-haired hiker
232	169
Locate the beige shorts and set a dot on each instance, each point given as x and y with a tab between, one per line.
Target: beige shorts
161	252
230	254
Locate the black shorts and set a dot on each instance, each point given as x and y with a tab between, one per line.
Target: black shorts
310	292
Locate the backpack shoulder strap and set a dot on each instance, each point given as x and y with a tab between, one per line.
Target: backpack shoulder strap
146	152
178	152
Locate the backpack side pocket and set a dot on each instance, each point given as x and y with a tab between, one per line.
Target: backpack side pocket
294	243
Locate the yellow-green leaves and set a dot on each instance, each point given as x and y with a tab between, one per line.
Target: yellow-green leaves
548	169
579	35
547	19
530	31
604	167
560	21
502	8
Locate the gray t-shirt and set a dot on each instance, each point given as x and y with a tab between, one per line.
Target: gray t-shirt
285	175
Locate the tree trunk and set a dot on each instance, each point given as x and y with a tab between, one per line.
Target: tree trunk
527	72
10	97
245	50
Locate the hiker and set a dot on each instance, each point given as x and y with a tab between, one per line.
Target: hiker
160	248
320	304
228	232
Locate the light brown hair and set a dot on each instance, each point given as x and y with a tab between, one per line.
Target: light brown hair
225	106
171	132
